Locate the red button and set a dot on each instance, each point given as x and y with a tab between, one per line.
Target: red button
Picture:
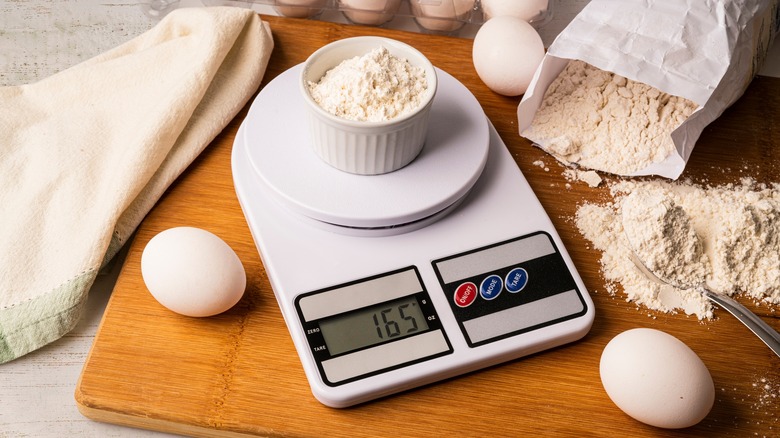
465	294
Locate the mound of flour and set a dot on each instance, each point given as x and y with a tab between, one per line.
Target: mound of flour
377	86
603	121
661	234
737	228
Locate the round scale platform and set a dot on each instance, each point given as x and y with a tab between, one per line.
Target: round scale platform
276	138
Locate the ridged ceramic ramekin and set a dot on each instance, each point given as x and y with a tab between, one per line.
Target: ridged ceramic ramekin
363	147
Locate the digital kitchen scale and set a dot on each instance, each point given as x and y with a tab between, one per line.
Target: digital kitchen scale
389	282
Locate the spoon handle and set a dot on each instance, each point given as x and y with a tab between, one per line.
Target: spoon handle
761	329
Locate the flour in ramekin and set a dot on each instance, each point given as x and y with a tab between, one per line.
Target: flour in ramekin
377	86
738	226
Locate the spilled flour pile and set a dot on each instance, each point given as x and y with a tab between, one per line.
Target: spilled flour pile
661	234
727	236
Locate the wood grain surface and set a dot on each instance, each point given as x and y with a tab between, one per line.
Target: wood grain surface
238	373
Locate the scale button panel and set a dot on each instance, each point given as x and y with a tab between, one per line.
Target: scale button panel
541	289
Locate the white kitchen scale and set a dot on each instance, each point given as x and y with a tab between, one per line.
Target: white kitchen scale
393	281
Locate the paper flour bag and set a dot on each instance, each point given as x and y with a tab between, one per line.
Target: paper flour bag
645	79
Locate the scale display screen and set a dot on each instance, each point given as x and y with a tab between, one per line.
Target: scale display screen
371	325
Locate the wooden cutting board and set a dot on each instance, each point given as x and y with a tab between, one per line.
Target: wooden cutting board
238	373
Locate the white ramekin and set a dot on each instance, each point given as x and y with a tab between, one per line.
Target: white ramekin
360	147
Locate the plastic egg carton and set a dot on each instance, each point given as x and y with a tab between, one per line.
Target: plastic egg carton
449	17
430	16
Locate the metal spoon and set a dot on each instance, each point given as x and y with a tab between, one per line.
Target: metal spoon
761	329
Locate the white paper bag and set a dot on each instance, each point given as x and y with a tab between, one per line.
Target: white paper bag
707	51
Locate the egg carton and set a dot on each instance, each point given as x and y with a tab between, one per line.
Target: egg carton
437	16
449	17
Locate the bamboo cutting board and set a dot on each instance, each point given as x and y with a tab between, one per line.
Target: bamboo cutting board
238	373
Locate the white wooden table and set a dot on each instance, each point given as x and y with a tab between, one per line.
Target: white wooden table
39	38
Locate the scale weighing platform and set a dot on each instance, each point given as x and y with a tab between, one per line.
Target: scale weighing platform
389	282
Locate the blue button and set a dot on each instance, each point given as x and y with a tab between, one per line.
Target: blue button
491	287
516	280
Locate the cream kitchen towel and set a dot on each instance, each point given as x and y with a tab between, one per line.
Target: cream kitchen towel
85	154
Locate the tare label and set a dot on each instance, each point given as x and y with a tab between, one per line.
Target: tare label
516	280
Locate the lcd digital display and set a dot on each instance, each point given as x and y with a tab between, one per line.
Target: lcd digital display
373	325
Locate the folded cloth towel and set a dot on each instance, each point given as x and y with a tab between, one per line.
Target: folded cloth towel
85	154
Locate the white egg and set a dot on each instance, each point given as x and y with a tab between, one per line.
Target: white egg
506	53
192	272
369	12
526	10
300	8
446	16
656	379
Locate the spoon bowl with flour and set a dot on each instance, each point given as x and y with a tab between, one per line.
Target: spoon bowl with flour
666	249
